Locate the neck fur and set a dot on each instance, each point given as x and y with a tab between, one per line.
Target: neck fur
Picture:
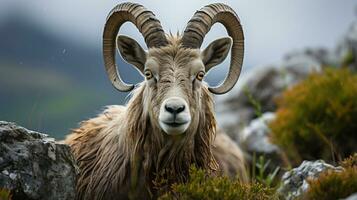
161	156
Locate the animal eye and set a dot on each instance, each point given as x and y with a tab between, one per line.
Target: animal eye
148	74
200	75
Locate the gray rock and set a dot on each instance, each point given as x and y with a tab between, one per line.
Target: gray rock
255	141
294	182
33	166
255	137
352	197
263	85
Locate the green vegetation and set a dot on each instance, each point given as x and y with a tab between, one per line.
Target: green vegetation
260	171
49	101
5	194
316	119
201	186
350	161
335	185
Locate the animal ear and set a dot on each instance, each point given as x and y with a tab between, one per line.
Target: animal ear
131	52
216	52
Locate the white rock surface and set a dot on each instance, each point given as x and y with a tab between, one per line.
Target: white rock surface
352	197
294	182
255	137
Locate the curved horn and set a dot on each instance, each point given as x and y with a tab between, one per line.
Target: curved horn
148	26
201	23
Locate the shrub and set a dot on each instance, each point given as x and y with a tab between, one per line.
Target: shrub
317	117
333	185
201	186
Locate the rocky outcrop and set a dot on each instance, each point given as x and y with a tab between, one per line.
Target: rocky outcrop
34	166
257	94
294	182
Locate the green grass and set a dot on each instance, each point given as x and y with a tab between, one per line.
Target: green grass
202	186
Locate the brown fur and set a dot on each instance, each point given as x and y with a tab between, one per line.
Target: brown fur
123	151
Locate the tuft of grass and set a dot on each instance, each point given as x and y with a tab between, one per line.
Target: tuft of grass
260	172
316	119
333	185
202	186
350	161
5	194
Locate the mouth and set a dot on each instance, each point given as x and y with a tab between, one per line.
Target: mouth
174	127
175	124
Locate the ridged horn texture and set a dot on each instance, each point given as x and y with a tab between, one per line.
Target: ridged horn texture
201	23
148	25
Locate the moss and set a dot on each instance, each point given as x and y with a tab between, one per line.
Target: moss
333	185
5	194
316	119
201	186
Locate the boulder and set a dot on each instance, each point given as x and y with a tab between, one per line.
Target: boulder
294	182
256	93
33	166
254	139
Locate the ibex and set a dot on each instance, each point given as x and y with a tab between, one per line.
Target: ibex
169	122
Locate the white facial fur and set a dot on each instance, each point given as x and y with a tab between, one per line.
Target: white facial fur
174	117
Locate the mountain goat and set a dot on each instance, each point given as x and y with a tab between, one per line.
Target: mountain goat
169	122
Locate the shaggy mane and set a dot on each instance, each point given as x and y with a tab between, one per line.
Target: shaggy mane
123	153
169	157
110	157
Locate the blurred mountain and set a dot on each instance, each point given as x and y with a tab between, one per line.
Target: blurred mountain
49	83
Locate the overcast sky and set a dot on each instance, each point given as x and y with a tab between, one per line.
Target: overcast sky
272	28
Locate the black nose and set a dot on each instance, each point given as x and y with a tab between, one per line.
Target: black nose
174	109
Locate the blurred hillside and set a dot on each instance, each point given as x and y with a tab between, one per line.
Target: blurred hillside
49	84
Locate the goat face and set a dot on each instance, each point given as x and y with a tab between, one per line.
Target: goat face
173	79
173	66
